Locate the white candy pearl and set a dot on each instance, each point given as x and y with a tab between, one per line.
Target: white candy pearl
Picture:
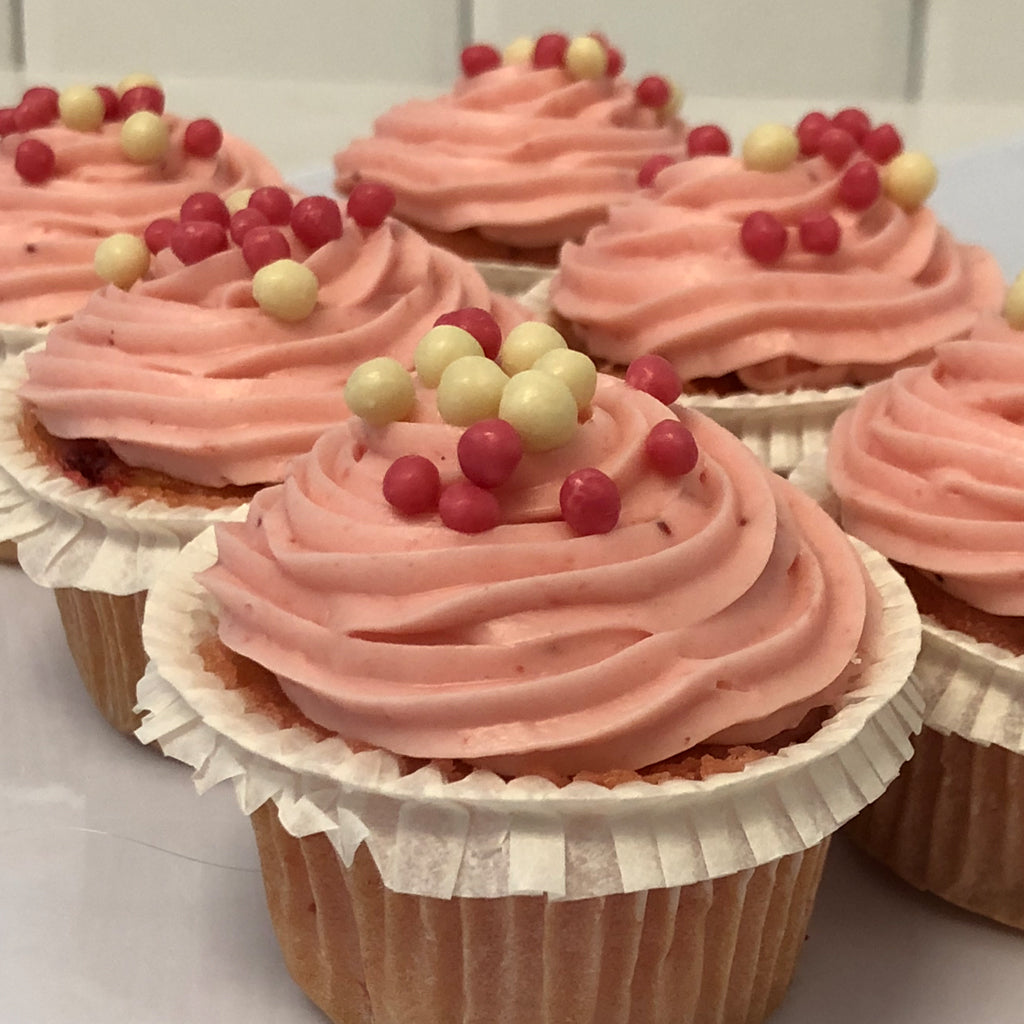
541	408
440	347
586	57
135	79
121	259
526	343
909	179
770	147
238	200
145	137
574	369
470	390
519	51
381	391
81	108
286	289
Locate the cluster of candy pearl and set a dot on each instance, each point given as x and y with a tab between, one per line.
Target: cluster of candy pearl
585	57
907	178
283	287
1013	305
527	394
138	102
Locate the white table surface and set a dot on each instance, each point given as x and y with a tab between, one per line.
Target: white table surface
126	897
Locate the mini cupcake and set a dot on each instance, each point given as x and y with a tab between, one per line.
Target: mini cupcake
167	402
526	152
575	691
85	163
929	469
780	281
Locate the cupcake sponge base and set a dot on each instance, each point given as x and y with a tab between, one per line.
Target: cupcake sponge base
104	635
715	952
953	824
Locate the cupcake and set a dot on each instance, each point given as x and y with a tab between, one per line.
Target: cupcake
535	697
929	469
86	163
780	281
526	152
167	402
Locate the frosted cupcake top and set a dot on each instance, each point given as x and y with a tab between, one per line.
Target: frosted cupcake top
86	163
229	354
809	261
619	587
929	467
528	148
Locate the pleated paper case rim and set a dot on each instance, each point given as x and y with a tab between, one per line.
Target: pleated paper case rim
83	537
483	836
16	338
972	689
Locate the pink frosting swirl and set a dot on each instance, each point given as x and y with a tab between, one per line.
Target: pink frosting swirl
527	157
49	232
667	274
723	606
929	467
185	374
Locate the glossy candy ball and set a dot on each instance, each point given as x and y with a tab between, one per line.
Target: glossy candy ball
412	485
854	121
489	452
708	140
285	289
652	167
836	145
653	91
819	233
243	221
770	147
239	200
809	131
478	58
274	202
316	220
203	138
111	103
369	203
82	108
34	161
262	246
470	390
882	143
541	408
39	107
197	240
477	322
590	501
121	259
380	391
519	51
670	448
763	237
1013	306
586	57
656	376
526	343
7	121
136	78
909	179
158	234
467	508
439	348
205	206
549	50
141	97
574	369
860	185
145	137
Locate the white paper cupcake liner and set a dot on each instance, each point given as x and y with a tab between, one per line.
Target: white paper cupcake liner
525	282
972	689
88	538
483	836
16	338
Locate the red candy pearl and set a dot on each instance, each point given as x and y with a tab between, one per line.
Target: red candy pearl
7	122
670	448
274	202
854	121
243	221
316	220
549	50
477	322
656	376
38	108
479	58
616	62
198	239
708	140
653	91
860	185
263	246
809	132
369	203
203	138
111	103
205	206
590	501
412	485
157	235
882	143
651	168
489	452
820	233
467	508
34	161
836	146
141	97
763	237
